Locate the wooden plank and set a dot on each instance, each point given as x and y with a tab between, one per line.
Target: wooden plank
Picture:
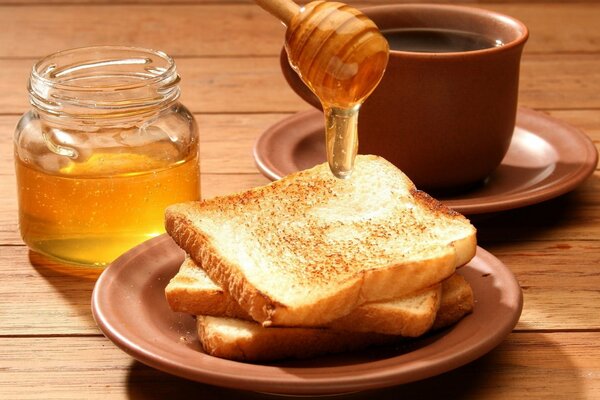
560	281
199	29
543	20
586	120
557	278
188	30
574	216
46	295
226	85
223	184
542	365
226	141
566	264
560	82
256	84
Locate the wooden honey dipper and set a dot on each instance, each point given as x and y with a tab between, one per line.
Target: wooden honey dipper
341	56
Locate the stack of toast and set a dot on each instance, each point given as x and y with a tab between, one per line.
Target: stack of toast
312	264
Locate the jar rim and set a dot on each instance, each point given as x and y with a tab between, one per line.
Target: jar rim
103	82
42	77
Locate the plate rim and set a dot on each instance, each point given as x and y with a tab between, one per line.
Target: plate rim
287	382
469	206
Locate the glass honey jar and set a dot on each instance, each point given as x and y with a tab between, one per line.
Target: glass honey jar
104	149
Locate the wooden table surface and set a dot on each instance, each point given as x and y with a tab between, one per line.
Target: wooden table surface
227	54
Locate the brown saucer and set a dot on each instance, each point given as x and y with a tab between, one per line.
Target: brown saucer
546	158
129	306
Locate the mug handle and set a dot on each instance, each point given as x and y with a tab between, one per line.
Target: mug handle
296	83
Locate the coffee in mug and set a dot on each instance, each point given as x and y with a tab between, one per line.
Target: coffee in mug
435	40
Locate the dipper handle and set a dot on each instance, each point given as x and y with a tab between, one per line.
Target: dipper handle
284	10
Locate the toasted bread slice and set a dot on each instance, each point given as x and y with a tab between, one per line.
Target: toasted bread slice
457	301
193	292
310	248
242	340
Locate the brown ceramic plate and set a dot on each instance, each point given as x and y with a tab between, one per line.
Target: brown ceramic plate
546	158
129	306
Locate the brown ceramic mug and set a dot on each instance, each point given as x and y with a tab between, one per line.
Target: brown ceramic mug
445	116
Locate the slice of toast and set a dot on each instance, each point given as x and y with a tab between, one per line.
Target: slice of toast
457	301
310	248
193	292
242	340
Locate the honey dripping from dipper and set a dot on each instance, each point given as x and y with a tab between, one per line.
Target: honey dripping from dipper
341	56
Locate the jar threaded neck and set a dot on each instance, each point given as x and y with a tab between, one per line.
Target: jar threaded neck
103	82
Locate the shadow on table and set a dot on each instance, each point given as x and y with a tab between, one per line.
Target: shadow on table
74	283
543	371
540	221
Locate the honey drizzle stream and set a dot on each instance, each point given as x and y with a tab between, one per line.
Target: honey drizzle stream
341	138
340	55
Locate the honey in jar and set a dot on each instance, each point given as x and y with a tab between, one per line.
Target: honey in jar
341	56
104	150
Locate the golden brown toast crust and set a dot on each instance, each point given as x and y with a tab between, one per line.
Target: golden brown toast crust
191	291
273	344
256	343
185	294
457	301
199	248
265	310
327	258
